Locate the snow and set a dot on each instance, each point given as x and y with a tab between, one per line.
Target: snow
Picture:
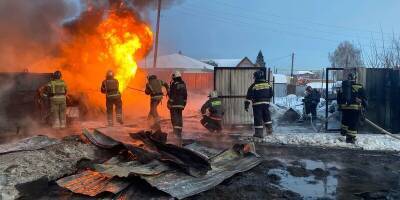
364	141
224	62
320	85
177	61
300	134
280	78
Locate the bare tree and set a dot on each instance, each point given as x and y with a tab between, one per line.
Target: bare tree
346	55
384	56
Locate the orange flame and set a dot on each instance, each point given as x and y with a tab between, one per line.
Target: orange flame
124	38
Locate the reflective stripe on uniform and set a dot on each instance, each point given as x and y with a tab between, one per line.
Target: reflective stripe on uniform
112	95
261	102
259	127
215	118
350	107
216	103
157	97
177	127
270	122
248	100
177	106
352	133
58	97
261	86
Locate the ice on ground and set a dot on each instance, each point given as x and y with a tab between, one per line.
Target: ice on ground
364	141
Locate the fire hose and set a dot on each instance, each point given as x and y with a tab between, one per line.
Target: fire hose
381	129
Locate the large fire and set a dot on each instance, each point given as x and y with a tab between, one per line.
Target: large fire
126	41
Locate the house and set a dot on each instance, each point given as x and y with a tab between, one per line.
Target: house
245	62
198	75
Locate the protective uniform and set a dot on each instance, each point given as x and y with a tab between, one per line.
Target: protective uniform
351	100
311	101
177	102
57	91
212	121
154	89
260	94
110	87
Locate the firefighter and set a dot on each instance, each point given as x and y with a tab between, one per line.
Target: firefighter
260	94
212	121
154	89
56	90
110	87
176	104
311	101
351	99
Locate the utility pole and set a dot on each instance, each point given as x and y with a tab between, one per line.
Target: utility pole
157	34
291	71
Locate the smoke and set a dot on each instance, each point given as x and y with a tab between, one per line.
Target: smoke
31	31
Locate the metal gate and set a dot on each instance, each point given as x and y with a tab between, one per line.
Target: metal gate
231	85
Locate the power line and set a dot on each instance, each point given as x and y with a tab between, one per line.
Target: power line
305	21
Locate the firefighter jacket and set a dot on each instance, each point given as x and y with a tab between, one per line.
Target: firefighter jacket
313	97
154	88
110	87
214	107
357	101
260	92
177	94
56	89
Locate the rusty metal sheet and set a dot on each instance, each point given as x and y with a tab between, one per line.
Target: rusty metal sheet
92	183
28	144
225	165
119	168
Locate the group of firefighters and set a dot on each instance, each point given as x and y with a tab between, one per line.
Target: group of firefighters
351	99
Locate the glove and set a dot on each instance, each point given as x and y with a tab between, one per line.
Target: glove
246	106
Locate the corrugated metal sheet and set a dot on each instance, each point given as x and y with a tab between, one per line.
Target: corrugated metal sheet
232	85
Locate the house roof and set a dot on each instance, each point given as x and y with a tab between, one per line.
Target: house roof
176	61
303	72
224	62
227	62
280	78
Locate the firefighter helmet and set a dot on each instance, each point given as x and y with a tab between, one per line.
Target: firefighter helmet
351	77
110	73
213	94
151	77
57	74
258	74
309	88
176	74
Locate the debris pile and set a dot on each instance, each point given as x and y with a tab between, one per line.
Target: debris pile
114	166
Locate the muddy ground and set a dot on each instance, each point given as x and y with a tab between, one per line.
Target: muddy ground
287	172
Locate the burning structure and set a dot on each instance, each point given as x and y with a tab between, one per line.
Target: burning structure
83	39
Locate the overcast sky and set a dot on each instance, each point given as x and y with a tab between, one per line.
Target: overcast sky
309	28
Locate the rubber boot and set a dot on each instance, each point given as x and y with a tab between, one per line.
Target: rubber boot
350	139
269	129
259	133
178	134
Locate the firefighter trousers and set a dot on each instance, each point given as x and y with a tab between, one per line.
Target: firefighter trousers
311	108
176	120
211	124
110	103
350	122
58	106
262	117
153	114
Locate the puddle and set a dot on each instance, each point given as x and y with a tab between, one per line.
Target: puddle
310	187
